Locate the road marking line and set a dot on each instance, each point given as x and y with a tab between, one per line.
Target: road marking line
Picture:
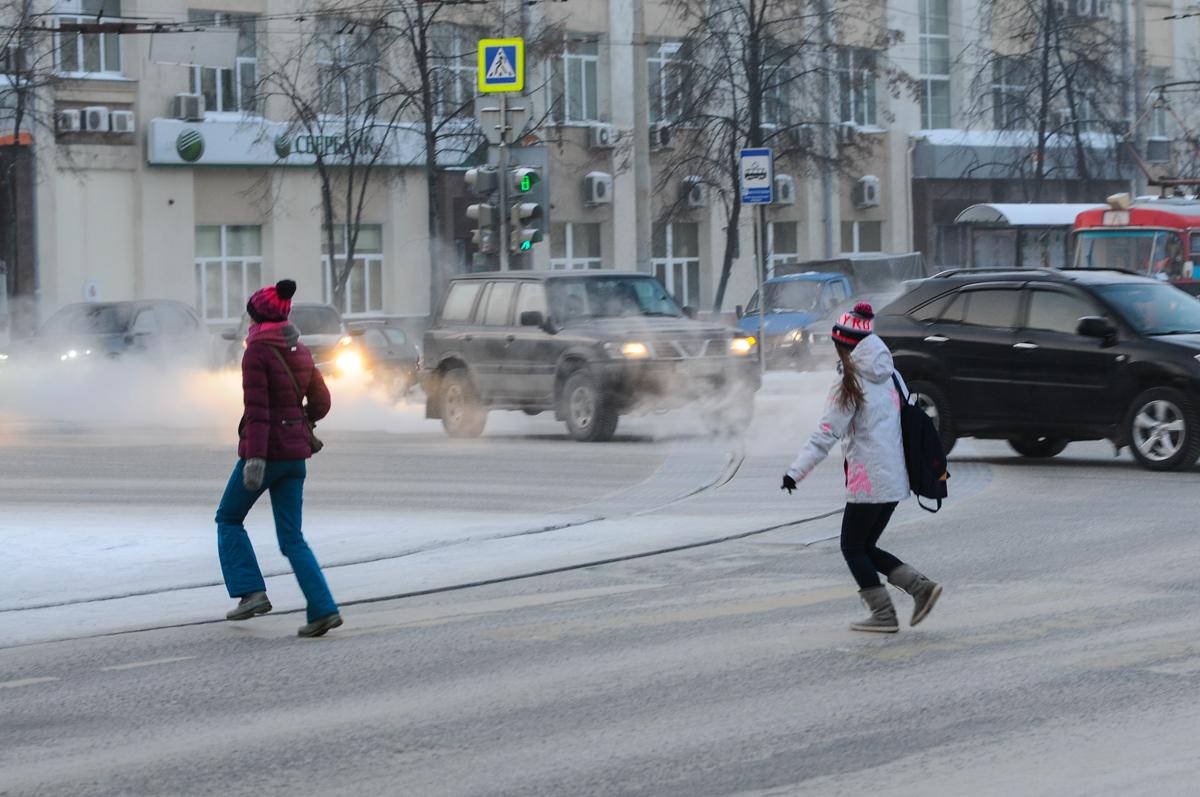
135	664
25	682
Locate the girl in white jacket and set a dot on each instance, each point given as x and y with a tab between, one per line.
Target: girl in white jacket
864	413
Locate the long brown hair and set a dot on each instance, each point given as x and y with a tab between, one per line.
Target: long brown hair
851	395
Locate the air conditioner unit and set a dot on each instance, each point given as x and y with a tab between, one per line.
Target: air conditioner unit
189	107
602	137
847	133
694	192
123	122
95	119
598	188
866	192
68	121
785	189
660	137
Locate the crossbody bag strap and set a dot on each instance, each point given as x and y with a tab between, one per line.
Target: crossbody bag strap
899	389
292	376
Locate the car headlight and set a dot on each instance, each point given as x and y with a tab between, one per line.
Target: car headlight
743	346
633	350
794	336
349	362
346	341
3	356
74	354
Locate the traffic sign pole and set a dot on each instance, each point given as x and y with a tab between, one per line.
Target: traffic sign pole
758	189
502	163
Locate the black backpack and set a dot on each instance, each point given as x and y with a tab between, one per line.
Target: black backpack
924	455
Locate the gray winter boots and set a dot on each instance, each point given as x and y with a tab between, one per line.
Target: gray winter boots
883	614
924	592
248	606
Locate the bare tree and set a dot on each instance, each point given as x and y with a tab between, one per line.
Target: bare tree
1052	70
328	79
27	78
769	71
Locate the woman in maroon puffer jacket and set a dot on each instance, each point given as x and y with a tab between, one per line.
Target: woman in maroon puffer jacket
274	444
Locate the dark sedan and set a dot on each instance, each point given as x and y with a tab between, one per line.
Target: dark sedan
1042	358
94	331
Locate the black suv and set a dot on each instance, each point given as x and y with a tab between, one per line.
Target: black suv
1041	358
588	346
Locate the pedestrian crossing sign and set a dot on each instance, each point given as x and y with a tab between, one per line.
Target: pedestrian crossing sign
501	65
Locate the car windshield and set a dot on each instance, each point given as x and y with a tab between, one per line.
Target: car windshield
1154	252
793	296
316	320
1154	309
610	297
89	319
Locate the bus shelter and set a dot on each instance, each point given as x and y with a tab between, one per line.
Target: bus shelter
1029	235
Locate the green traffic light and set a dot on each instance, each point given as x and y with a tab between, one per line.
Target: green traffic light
526	246
526	182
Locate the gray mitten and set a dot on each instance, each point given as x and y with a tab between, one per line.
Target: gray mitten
253	473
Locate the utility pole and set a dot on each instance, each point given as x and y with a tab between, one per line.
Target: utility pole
1139	89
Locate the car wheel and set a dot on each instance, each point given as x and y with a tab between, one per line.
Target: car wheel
462	413
930	398
1038	447
589	414
1162	427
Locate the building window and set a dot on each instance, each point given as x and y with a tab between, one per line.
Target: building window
228	269
347	69
575	245
777	80
1009	83
675	257
364	287
454	65
935	63
667	85
228	90
1158	115
783	246
89	53
574	82
856	85
862	236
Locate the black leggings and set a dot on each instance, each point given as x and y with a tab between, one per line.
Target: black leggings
861	526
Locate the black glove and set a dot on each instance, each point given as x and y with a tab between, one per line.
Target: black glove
789	484
253	473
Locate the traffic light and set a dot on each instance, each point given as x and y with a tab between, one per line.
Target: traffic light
524	179
484	235
524	218
481	179
527	214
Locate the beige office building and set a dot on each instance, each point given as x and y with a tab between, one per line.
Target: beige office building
139	195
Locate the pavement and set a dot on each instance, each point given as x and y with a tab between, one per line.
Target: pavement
690	640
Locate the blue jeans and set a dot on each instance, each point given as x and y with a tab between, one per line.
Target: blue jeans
285	480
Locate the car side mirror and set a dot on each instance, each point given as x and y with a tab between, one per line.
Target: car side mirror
1097	327
689	311
533	318
741	311
229	334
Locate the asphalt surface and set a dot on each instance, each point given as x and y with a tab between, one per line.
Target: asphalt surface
1064	657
